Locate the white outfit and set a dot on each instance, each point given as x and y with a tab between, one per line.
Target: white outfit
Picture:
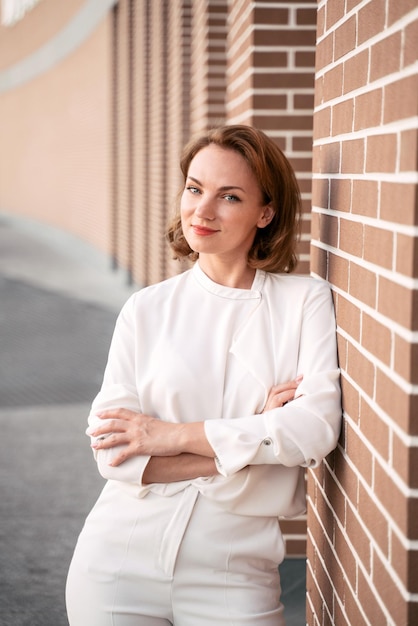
185	350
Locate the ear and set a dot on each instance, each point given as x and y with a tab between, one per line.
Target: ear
266	216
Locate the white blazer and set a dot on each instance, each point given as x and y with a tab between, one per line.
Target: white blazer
188	349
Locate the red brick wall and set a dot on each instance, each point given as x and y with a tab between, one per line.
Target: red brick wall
363	515
271	60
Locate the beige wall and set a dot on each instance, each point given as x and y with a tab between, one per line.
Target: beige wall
55	137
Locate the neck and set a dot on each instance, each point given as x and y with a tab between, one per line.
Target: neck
237	276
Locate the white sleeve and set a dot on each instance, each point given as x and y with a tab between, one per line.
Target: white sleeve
305	430
119	391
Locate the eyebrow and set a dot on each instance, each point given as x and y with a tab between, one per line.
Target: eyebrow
224	188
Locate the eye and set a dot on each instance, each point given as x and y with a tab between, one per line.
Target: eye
192	189
231	198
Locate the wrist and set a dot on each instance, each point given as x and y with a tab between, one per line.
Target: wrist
192	439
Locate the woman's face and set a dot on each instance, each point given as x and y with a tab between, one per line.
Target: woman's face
221	205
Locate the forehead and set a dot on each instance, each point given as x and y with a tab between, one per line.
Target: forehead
224	162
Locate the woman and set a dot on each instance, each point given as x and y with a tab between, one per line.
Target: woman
201	441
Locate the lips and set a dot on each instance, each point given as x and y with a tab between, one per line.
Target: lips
202	231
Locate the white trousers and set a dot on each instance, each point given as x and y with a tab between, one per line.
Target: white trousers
179	560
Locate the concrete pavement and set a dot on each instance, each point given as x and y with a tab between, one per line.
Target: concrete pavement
58	305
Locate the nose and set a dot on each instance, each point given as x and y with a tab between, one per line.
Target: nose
205	209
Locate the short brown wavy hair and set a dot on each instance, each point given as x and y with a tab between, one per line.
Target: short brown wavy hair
274	247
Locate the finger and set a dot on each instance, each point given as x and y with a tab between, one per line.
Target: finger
122	414
123	456
105	442
109	426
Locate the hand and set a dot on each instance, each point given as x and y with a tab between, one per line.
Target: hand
137	434
279	395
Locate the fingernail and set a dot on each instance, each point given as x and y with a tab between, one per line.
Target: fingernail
299	378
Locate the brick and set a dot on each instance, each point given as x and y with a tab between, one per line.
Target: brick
278	122
409	151
360	369
368	109
350	400
363	284
319	261
376	338
335	497
335	11
397	9
348	317
365	198
393	500
351	237
352	156
389	592
406	255
303	101
412	518
284	80
412	615
305	59
322	124
295	547
349	566
328	229
270	16
325	514
345	38
342	351
338	271
385	57
356	71
318	586
405	461
374	429
401	99
340	195
371	20
297	526
353	609
396	302
306	17
368	600
302	144
378	246
360	455
320	22
301	165
374	520
405	563
398	203
270	101
268	59
351	4
393	400
333	83
287	37
410	45
329	158
381	153
339	617
342	117
325	51
319	90
358	537
406	359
